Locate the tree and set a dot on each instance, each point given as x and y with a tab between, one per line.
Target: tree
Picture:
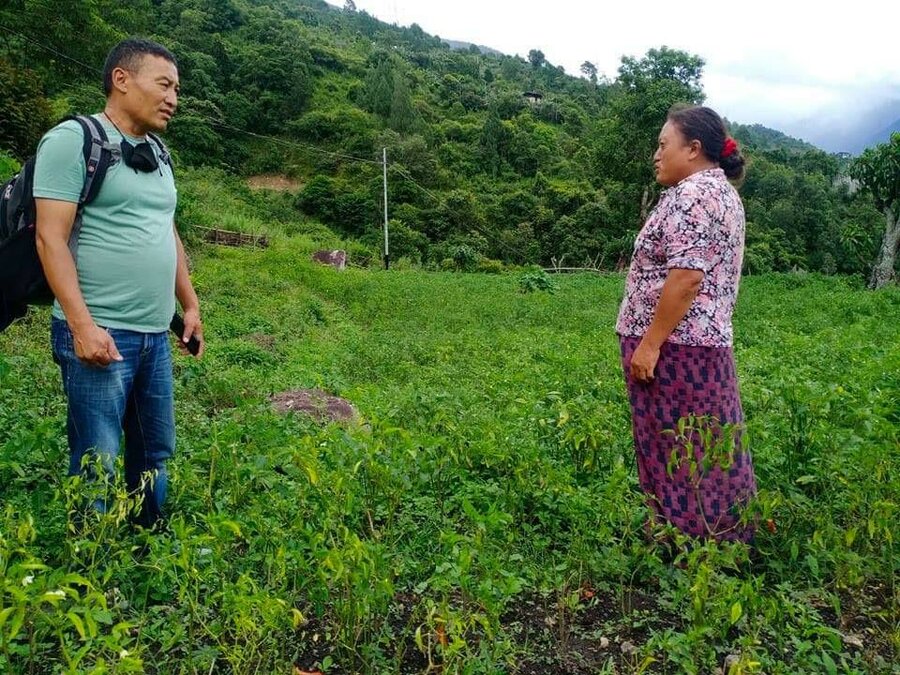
625	137
536	58
589	70
664	64
24	112
878	172
75	24
411	153
275	76
493	138
402	116
378	88
192	134
462	89
453	120
318	198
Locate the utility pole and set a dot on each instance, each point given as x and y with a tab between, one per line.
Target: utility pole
387	255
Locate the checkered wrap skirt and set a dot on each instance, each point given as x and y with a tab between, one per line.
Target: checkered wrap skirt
697	476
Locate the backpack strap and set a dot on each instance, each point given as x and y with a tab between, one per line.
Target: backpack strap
98	156
164	155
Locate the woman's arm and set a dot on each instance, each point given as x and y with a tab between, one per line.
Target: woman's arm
678	293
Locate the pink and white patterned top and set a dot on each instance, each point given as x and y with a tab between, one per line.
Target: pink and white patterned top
699	225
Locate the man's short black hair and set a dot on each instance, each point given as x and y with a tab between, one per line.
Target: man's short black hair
128	54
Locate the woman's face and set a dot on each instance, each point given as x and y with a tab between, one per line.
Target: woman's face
675	156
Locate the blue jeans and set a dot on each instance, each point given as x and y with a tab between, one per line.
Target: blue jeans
134	395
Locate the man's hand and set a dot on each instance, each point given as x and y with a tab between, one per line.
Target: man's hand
643	362
192	327
95	347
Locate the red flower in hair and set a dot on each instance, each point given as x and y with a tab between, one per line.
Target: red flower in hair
729	148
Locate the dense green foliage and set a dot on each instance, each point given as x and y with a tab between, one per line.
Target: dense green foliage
485	516
760	137
878	172
567	177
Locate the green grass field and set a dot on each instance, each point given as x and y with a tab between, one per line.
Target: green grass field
484	517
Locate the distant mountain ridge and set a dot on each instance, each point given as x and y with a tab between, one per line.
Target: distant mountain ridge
760	137
851	130
884	135
461	46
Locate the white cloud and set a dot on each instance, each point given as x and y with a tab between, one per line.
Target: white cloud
746	100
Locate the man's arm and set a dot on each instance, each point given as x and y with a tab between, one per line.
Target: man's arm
187	298
54	225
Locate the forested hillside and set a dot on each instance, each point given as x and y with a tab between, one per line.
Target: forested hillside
478	170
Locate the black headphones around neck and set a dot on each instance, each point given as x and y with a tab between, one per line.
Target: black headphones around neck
139	157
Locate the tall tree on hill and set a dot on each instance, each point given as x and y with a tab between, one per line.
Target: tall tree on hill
402	117
625	138
536	58
378	88
878	172
589	70
664	65
493	138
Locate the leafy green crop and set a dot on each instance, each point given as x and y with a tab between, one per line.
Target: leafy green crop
484	516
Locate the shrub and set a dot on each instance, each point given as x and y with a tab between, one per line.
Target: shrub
8	167
489	266
537	280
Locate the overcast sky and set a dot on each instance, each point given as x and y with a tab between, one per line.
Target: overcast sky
777	63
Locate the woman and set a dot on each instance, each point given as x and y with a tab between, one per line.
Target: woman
675	331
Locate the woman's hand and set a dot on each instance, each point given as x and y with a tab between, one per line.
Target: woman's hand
675	300
643	361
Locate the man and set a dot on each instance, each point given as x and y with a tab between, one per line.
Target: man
114	305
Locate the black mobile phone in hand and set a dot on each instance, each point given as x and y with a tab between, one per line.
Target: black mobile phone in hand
177	326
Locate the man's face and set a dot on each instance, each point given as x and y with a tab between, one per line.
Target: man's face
151	94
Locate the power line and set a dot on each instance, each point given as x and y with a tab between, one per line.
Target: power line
394	167
281	141
50	49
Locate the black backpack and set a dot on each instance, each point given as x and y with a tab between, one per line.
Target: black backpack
22	280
